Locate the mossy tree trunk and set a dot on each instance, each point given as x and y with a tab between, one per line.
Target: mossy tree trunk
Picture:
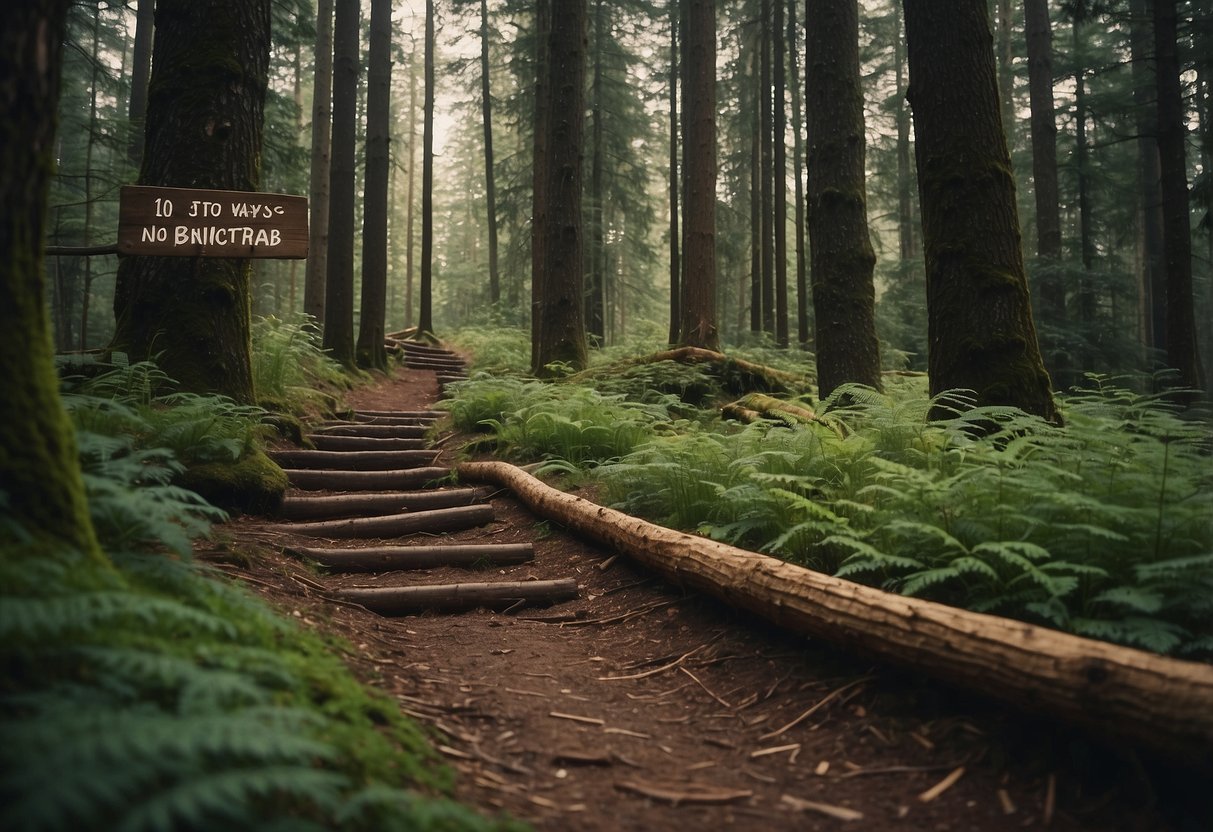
980	330
42	487
840	251
561	313
371	321
699	324
206	103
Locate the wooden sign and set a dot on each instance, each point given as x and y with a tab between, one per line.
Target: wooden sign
189	222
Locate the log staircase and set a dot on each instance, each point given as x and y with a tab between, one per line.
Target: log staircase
382	486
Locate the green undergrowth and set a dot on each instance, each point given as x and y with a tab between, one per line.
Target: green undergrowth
291	372
1103	527
146	691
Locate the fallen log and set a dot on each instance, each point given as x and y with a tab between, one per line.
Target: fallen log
354	460
391	502
329	442
390	558
313	480
1163	705
363	429
756	406
401	600
395	525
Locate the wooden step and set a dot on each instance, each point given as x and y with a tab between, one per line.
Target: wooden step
403	600
378	431
368	504
354	460
396	525
330	442
419	421
394	558
313	480
403	414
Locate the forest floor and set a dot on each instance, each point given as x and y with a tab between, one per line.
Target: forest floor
639	706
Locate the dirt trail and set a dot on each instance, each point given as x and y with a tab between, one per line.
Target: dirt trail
639	707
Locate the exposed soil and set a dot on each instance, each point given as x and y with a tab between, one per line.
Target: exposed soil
641	707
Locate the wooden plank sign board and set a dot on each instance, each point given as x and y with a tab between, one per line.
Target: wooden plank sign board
190	222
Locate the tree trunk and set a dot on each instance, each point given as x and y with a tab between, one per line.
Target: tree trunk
91	143
595	275
562	323
980	331
1182	352
44	492
1152	279
322	154
755	177
490	182
1044	159
675	260
804	336
906	242
767	168
539	167
410	198
779	184
1006	70
141	67
1086	242
841	254
1162	704
204	128
339	278
425	311
373	315
699	326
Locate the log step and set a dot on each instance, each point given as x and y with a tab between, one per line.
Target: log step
403	414
330	442
435	364
394	558
313	480
402	600
354	460
396	525
420	421
378	431
372	504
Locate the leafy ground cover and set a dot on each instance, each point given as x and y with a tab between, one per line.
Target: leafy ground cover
148	692
1102	527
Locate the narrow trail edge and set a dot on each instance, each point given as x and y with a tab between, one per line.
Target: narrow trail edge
1161	704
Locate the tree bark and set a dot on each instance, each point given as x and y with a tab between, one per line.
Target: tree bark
391	558
804	335
364	443
339	271
490	182
595	261
1162	704
425	311
204	128
373	313
675	260
841	255
321	161
779	184
981	334
379	431
1152	259
410	199
561	319
402	600
141	67
699	326
539	167
766	167
43	490
1182	352
1044	158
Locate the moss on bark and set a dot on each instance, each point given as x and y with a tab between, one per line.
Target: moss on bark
251	485
42	487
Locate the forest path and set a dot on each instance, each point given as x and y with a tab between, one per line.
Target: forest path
636	706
